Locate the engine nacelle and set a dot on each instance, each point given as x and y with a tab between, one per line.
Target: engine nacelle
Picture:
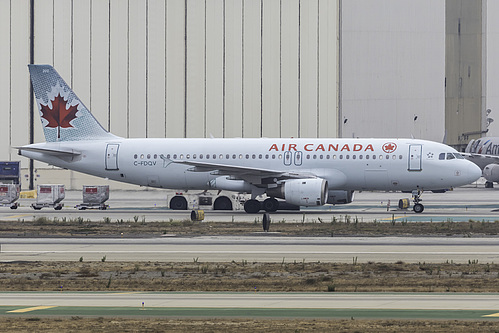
340	197
302	192
491	172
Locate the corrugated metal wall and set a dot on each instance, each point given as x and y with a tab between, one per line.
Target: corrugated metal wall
393	68
177	68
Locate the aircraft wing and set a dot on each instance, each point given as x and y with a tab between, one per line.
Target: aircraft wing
241	172
481	158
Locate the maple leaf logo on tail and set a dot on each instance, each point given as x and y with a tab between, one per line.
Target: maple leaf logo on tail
59	116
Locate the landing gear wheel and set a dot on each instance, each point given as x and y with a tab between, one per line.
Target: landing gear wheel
252	206
489	184
178	203
266	222
270	205
418	208
59	207
222	203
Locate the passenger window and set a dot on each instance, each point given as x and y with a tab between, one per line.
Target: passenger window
260	156
247	156
194	156
187	156
374	157
267	156
135	156
227	156
367	157
360	157
181	156
174	156
148	156
354	157
341	157
201	156
253	156
348	157
168	156
234	156
315	157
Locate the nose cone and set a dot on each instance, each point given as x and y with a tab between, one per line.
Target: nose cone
473	172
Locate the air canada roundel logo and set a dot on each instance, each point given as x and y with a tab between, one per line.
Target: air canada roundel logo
389	147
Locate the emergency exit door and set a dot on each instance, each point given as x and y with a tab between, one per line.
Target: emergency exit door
112	156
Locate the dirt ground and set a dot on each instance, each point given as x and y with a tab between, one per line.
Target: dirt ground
244	276
78	324
341	226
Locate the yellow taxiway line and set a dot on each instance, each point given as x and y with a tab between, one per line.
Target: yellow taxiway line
43	307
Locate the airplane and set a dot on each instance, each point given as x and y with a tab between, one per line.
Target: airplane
484	152
301	172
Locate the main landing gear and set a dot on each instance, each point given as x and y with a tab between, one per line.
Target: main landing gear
254	206
416	197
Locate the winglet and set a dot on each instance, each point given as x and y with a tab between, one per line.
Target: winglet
64	116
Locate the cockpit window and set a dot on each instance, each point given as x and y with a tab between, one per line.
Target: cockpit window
450	156
459	156
441	156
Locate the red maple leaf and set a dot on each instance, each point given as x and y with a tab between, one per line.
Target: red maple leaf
58	116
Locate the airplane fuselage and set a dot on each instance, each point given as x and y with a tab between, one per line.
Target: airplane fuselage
346	164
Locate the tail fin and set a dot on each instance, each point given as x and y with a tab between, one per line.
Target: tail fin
63	115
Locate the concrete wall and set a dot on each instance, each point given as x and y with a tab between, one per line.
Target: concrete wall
463	67
392	57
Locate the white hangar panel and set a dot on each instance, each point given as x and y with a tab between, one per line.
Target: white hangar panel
80	81
289	63
175	64
393	71
233	69
156	75
252	98
5	101
328	69
118	54
99	66
309	69
19	82
195	82
62	57
137	101
271	117
214	68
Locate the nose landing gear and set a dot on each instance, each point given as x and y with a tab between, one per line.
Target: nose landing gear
416	197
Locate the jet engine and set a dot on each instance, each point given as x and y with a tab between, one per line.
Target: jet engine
302	192
491	172
340	197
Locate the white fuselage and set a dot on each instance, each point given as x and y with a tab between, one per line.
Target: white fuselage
346	164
